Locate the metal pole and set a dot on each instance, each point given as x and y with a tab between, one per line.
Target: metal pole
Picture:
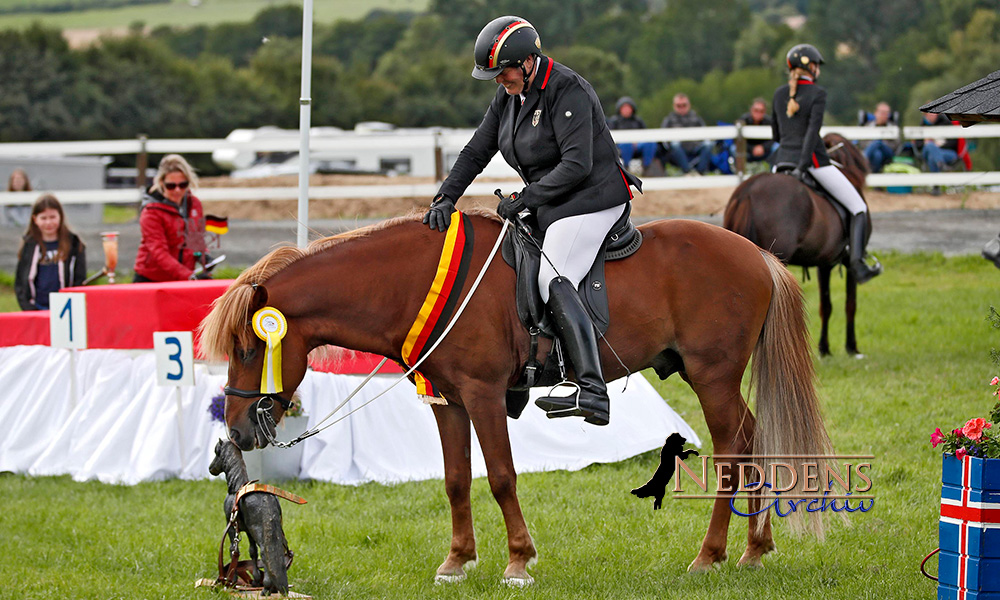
305	107
141	163
741	151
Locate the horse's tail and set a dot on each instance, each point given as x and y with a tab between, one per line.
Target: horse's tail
789	420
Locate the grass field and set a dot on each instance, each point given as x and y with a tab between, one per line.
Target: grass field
922	326
207	12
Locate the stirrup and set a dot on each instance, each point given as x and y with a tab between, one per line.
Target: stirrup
570	405
556	407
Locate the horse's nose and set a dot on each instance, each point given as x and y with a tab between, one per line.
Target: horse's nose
234	436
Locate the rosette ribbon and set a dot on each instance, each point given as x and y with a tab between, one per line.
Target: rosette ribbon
270	325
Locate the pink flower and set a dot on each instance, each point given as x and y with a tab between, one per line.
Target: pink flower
960	453
974	428
936	438
957	432
995	381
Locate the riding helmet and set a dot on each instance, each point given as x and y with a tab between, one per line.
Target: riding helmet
504	42
802	56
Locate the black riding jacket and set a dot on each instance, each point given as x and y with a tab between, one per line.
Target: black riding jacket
558	141
798	135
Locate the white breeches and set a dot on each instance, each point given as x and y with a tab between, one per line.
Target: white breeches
840	188
572	243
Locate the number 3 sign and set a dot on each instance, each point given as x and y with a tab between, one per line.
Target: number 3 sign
174	358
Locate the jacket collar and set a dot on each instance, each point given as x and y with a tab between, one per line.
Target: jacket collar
531	97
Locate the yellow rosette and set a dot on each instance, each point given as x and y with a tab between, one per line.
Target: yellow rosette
270	325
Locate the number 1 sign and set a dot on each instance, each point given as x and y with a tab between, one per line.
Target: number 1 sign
68	320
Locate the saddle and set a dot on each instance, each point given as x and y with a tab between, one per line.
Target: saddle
811	183
522	251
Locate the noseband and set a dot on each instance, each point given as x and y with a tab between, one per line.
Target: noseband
231	391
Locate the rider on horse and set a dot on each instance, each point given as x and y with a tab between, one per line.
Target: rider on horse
798	115
548	123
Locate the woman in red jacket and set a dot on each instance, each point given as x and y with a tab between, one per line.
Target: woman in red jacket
172	224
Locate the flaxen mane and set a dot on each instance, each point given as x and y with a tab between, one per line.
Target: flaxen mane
230	314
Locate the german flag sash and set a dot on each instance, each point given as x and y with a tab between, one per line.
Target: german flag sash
441	300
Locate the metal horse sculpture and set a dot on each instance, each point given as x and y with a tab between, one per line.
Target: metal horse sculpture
784	216
695	299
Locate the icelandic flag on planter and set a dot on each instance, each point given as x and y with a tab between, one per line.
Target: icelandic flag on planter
969	529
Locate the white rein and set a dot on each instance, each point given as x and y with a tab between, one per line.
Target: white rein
265	413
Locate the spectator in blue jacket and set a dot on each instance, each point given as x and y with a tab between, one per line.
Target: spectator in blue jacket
880	152
625	117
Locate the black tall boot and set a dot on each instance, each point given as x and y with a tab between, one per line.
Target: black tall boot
576	331
862	272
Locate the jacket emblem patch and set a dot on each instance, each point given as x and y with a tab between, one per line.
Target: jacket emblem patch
536	117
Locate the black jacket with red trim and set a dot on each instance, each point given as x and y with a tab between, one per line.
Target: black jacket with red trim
798	135
558	141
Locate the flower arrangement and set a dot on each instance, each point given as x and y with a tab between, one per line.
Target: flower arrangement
217	407
977	437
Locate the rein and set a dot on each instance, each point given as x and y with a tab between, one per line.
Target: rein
264	413
239	570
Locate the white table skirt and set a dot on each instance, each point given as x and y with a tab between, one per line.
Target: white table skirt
123	428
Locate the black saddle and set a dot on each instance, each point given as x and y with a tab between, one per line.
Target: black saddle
810	181
522	250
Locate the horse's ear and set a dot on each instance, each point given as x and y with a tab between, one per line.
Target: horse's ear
259	298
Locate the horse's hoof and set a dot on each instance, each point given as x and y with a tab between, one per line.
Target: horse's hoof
704	565
518	582
750	562
858	355
440	579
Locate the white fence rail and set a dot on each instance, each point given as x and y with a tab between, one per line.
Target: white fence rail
451	141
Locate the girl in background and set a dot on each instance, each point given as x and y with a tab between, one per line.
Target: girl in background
51	256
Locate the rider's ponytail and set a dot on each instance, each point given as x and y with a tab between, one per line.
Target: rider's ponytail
793	85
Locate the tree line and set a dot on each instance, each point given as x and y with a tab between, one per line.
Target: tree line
413	69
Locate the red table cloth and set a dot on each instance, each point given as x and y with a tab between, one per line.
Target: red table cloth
125	316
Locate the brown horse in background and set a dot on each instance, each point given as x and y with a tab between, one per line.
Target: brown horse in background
786	217
695	299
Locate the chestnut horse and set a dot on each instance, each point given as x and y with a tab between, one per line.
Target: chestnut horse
783	215
695	299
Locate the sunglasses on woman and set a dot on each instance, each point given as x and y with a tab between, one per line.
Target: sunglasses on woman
173	186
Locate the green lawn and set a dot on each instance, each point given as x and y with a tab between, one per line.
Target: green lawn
207	12
922	326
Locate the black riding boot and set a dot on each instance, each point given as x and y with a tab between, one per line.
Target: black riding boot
862	272
576	331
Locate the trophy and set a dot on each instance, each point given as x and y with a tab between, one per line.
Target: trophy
109	239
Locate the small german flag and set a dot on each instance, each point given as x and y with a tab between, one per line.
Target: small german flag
217	225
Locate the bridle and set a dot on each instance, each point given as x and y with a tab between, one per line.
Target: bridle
263	412
231	391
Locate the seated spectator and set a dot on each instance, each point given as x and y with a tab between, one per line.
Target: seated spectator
758	149
625	118
880	152
51	256
938	153
18	215
686	155
172	224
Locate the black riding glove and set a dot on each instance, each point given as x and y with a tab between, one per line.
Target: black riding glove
510	206
439	215
798	174
201	275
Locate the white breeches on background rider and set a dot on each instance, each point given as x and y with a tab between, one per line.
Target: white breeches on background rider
840	188
572	244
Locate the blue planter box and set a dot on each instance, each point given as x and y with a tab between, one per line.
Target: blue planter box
969	529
